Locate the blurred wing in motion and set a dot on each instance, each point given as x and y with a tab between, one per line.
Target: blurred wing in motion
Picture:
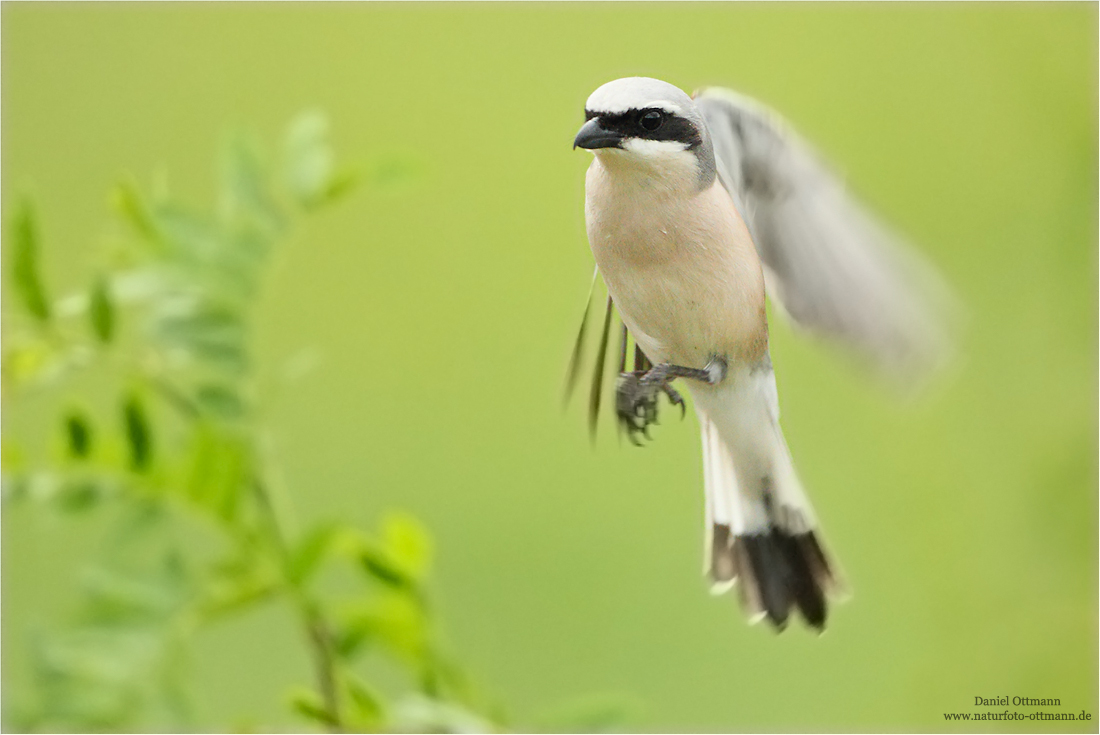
828	263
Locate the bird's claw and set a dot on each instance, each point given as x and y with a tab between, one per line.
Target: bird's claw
675	399
636	401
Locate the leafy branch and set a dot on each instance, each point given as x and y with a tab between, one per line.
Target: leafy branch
199	533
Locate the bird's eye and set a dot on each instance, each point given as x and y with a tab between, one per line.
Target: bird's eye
652	120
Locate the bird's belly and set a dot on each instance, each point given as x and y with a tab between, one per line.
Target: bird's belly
668	316
681	268
690	305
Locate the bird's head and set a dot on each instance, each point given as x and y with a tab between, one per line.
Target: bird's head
647	125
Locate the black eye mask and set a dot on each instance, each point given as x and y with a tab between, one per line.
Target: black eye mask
640	124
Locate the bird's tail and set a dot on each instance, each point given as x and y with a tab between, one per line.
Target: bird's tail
761	533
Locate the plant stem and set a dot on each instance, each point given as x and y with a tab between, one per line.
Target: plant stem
325	663
317	628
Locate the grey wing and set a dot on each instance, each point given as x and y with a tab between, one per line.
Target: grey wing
833	268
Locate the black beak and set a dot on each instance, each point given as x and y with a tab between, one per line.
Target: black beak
592	136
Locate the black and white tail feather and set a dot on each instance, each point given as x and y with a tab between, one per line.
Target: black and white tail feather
836	272
761	531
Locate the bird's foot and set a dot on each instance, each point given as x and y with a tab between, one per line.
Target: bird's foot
636	399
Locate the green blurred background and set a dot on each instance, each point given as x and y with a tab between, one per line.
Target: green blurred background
442	308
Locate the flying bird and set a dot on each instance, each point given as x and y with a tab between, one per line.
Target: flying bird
696	208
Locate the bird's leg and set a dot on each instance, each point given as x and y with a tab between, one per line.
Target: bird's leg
637	392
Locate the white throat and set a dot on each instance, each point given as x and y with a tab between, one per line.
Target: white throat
663	164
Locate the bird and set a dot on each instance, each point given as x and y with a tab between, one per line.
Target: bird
697	209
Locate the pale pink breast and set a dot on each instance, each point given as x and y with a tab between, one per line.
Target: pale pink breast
682	269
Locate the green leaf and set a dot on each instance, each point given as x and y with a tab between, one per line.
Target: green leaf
308	704
129	203
216	324
237	596
109	655
396	621
26	278
139	433
244	186
79	495
220	466
408	543
418	713
30	361
349	641
193	238
219	401
338	540
402	557
380	565
308	158
340	184
369	708
214	333
13	458
78	434
308	555
102	311
119	596
219	348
